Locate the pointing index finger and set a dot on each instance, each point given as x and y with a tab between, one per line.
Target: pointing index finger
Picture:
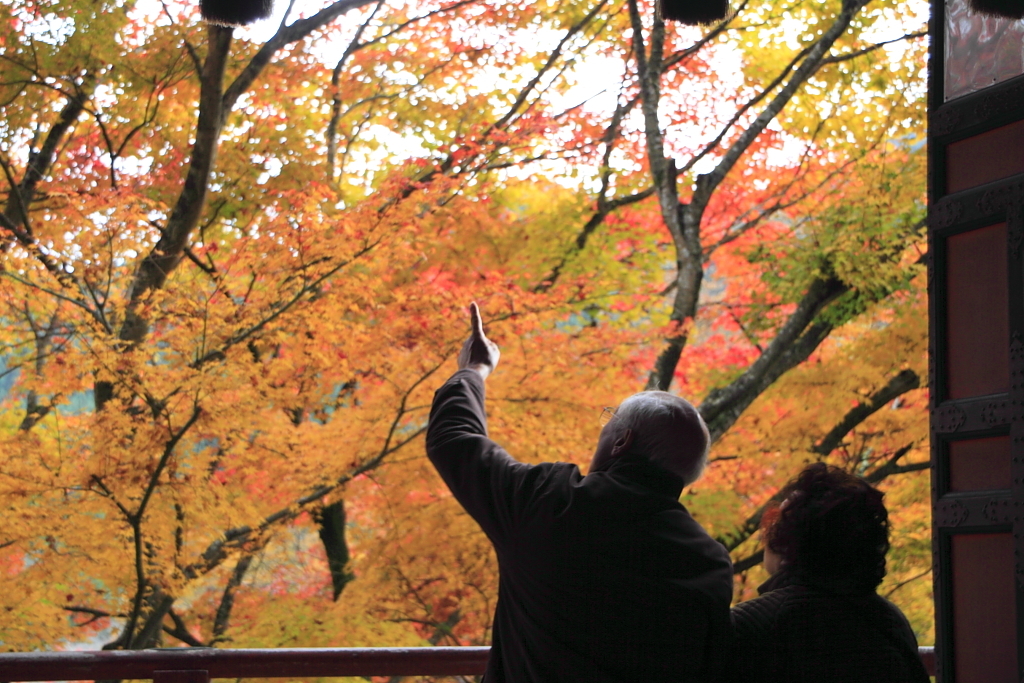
478	324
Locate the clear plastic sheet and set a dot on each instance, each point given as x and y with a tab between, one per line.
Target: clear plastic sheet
980	51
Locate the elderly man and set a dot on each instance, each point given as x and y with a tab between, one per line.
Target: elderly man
602	578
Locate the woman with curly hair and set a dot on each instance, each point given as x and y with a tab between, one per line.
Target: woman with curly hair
818	618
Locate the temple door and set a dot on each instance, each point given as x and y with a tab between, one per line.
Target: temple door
976	287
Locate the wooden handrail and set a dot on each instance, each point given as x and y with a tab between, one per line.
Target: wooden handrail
199	665
249	663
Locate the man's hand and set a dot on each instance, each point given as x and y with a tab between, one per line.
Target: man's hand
478	353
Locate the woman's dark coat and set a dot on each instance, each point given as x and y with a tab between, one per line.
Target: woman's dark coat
796	632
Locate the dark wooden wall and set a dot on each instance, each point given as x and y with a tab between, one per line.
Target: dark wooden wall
976	286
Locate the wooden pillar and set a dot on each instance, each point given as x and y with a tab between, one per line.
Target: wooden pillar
976	289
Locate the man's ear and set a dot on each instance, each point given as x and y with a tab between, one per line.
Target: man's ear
623	443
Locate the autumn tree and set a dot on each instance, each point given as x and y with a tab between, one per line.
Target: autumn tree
235	265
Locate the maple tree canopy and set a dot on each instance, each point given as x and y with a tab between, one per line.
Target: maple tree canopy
236	264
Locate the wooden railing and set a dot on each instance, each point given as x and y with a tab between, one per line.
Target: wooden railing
199	665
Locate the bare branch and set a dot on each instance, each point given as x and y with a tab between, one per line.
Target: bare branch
891	466
332	124
913	578
740	566
795	340
900	384
165	457
553	57
288	34
227	600
169	250
41	161
744	108
180	631
107	493
707	183
835	59
96	614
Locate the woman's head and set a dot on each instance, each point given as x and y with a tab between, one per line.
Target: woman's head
832	526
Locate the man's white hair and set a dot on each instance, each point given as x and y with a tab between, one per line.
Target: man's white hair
662	425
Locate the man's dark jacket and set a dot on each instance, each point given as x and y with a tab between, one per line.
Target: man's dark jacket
603	578
804	631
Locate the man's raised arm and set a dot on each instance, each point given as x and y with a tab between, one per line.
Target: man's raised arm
477	470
